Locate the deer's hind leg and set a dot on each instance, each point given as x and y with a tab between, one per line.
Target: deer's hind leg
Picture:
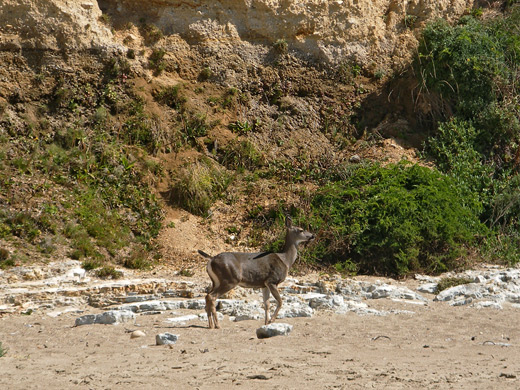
211	303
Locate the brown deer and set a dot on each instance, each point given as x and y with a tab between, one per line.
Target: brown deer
254	270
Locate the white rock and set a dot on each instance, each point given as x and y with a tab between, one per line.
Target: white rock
109	317
430	288
472	290
271	330
295	310
487	304
166	338
479	279
185	318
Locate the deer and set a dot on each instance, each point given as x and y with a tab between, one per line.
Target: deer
265	270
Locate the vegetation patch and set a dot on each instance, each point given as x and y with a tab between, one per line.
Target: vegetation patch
198	185
3	350
393	220
474	67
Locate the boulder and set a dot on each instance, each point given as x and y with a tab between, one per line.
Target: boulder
271	330
166	338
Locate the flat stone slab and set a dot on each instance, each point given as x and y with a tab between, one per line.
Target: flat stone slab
271	330
108	317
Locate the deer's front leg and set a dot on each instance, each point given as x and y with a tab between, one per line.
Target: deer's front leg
266	295
274	290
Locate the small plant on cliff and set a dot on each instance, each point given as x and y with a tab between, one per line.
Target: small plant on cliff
171	96
156	61
281	46
3	350
151	33
198	185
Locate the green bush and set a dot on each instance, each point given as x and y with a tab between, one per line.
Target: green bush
475	67
393	220
460	62
453	148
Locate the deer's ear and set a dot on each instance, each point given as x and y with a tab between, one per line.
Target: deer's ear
288	222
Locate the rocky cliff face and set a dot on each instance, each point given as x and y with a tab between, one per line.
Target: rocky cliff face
287	86
376	33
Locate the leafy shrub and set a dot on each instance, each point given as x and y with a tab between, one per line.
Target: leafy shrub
138	259
475	67
3	350
199	185
460	62
91	264
453	148
393	220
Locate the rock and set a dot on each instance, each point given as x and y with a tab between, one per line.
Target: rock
487	304
166	338
355	159
388	291
471	290
271	330
296	311
109	317
479	279
139	307
430	288
136	334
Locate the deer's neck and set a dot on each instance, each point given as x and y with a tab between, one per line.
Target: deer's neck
290	252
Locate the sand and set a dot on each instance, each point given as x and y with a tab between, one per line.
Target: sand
438	347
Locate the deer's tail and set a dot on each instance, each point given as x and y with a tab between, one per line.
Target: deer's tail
204	254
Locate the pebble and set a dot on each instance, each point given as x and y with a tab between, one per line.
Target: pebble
136	334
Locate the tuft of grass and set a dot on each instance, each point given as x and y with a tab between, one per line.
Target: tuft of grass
199	185
138	259
281	46
186	272
90	264
205	74
109	272
240	155
3	350
171	96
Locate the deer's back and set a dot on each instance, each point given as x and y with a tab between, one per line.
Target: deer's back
246	271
